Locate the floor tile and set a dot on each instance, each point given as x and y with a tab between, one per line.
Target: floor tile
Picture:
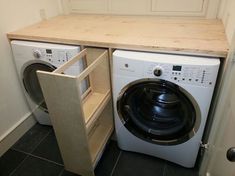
36	167
133	164
49	149
67	173
10	161
108	159
176	170
32	138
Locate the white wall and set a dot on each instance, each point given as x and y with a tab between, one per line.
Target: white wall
227	14
14	15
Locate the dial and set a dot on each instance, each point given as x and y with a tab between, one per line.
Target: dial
37	54
157	71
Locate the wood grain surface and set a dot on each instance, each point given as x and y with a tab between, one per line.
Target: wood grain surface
197	36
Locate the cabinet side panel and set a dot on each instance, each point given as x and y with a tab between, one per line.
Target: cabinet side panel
62	96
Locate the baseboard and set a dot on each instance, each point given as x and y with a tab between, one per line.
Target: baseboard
16	132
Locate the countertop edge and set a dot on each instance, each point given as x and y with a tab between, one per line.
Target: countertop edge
221	54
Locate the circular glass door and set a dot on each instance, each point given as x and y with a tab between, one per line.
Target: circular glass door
31	82
158	111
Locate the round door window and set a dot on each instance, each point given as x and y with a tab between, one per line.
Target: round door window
158	111
31	82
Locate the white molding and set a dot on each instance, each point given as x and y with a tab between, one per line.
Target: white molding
222	8
60	6
227	15
212	9
15	132
209	8
65	6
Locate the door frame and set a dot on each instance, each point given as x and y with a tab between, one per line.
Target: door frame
218	122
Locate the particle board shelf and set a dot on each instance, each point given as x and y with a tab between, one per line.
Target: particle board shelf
82	120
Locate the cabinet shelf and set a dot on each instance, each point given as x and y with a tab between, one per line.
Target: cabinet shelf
93	105
100	135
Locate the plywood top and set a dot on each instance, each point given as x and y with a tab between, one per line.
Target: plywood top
198	36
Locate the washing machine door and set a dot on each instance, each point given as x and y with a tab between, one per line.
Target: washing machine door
31	83
158	111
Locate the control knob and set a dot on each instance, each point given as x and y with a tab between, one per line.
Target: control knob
157	71
37	54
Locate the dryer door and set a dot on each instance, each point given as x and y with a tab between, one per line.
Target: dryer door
158	111
31	83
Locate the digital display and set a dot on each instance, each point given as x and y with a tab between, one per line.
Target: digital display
48	51
177	68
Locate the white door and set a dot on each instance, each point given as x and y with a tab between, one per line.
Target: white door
222	136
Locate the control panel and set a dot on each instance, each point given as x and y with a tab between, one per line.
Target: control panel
178	69
53	56
180	73
57	57
200	75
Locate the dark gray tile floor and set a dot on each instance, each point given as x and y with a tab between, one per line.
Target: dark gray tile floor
37	154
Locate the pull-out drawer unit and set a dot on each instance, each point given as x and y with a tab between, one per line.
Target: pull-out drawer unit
82	119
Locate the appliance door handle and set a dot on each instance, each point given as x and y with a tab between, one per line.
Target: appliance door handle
231	154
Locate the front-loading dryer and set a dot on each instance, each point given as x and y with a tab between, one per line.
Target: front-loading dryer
32	56
161	103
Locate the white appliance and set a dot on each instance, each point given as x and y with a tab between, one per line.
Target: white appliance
33	56
161	103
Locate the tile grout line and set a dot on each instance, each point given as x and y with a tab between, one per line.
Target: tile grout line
35	146
114	167
38	157
27	154
61	172
18	150
164	169
47	160
18	166
41	140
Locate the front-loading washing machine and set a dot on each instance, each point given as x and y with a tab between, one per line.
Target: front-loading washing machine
32	56
161	103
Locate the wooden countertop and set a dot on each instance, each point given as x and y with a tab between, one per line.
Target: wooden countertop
197	36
